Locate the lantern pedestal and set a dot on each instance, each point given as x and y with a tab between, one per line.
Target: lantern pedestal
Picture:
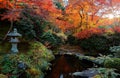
14	40
14	48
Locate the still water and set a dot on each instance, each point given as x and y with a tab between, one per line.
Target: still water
63	65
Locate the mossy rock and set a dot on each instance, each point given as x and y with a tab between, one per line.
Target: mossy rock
36	48
113	63
39	49
3	76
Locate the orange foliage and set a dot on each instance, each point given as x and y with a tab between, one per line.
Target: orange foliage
7	4
88	33
97	31
42	7
12	15
12	8
117	29
82	14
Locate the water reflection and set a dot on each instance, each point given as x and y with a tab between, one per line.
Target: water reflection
63	65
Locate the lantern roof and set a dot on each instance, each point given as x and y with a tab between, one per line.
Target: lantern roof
14	33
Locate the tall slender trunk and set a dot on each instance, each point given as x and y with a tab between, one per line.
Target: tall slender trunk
11	26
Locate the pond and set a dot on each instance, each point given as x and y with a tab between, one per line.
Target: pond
64	65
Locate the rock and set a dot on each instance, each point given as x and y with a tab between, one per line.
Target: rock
61	76
86	73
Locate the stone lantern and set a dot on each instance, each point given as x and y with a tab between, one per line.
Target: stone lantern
14	40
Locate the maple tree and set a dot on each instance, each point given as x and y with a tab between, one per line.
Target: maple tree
6	4
83	15
89	32
42	7
12	12
87	13
78	15
13	8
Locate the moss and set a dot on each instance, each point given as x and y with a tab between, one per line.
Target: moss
24	47
34	47
36	60
3	76
39	49
113	63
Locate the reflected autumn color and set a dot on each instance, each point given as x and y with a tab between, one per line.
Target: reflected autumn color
60	67
66	64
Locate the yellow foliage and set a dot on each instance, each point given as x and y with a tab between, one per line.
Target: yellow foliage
97	76
33	71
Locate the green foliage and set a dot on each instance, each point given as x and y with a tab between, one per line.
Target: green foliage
102	58
25	27
52	39
36	61
113	63
72	40
95	43
9	65
98	43
31	25
115	51
59	6
38	49
34	27
106	73
114	39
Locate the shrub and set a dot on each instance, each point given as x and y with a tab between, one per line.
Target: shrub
113	63
105	73
31	25
102	58
115	51
95	43
72	40
52	39
34	27
114	39
38	49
